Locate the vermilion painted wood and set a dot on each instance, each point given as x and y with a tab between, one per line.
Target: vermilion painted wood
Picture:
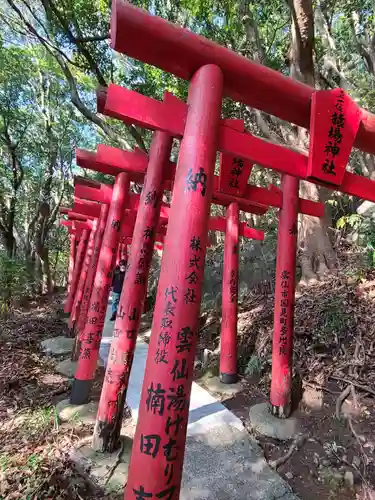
215	223
88	193
99	298
135	163
159	238
97	195
131	305
112	157
86	208
170	361
76	308
259	151
92	268
72	255
76	216
254	196
71	214
220	224
282	348
77	226
334	123
77	270
78	232
228	336
155	41
234	174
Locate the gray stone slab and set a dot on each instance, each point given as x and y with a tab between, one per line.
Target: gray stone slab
85	414
214	385
225	464
222	462
263	422
110	470
67	367
57	346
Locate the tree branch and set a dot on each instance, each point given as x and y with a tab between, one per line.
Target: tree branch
75	98
49	5
94	38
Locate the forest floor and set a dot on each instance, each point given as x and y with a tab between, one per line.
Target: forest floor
334	381
334	357
34	446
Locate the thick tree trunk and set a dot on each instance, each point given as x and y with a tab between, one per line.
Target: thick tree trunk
317	255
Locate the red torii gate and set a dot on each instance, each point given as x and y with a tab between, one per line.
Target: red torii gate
115	158
88	161
87	271
148	114
214	71
108	161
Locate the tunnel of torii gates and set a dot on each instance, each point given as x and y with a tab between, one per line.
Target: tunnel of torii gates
336	124
116	162
234	173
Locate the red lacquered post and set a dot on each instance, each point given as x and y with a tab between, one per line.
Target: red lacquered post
89	282
159	444
228	338
131	305
92	334
81	251
82	278
124	251
282	347
92	268
118	255
72	256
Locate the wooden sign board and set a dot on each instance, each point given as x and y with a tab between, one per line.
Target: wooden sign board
334	123
234	174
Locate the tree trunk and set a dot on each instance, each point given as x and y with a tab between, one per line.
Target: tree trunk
42	268
317	255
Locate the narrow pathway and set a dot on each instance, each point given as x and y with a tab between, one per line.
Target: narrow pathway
222	462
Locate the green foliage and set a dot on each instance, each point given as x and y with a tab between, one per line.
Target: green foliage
363	228
15	282
350	220
65	45
254	366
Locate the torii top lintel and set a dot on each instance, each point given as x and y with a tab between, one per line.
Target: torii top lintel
112	160
155	41
81	208
169	115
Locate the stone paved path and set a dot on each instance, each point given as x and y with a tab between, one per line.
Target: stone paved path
222	462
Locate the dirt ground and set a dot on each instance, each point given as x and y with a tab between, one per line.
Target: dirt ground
334	380
332	454
34	446
334	351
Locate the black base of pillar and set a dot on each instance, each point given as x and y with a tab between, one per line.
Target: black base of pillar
228	378
282	411
106	437
81	390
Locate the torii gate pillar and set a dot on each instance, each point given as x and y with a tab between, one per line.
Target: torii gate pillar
131	305
81	252
92	334
282	347
228	338
72	256
159	444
